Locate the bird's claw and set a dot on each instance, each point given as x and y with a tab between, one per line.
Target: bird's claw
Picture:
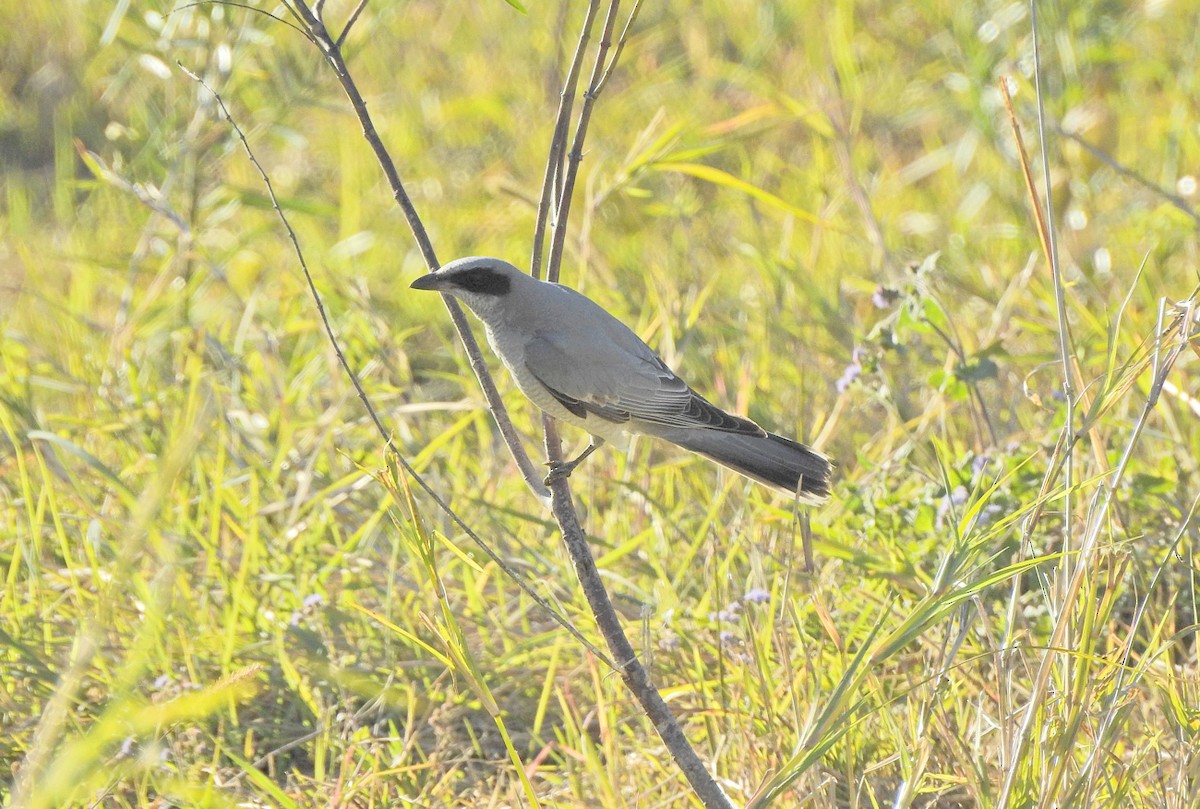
559	470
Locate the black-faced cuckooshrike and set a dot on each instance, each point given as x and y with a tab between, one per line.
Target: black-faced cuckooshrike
583	366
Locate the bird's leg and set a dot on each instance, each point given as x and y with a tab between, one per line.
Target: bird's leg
560	470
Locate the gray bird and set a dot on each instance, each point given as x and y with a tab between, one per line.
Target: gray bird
583	366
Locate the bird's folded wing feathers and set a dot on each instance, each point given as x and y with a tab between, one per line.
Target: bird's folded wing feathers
607	380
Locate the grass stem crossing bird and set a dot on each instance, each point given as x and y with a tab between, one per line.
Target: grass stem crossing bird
581	365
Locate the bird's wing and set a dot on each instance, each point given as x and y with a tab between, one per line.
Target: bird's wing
620	380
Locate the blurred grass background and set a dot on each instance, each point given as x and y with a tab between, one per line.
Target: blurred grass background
215	594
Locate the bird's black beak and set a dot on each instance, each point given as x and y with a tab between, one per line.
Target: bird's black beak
430	280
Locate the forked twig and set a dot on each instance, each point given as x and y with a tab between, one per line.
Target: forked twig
562	209
353	18
632	672
362	395
621	40
558	141
627	663
319	35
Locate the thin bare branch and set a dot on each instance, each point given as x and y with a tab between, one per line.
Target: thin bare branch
556	192
558	141
319	34
552	185
248	8
362	4
575	156
1023	158
362	395
557	189
630	668
632	672
621	40
1104	157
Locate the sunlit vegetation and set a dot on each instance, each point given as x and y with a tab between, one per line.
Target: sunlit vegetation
217	591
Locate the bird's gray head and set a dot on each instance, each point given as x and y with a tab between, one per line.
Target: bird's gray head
480	282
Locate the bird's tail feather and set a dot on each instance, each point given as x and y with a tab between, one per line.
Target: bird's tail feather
771	459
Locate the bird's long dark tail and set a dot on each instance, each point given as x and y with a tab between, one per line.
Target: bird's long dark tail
771	459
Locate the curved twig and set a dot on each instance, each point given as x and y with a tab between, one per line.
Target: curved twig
632	672
247	7
558	141
333	55
353	18
562	209
627	664
362	395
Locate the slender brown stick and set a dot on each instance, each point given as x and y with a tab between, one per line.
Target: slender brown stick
321	37
563	208
632	672
353	18
362	394
1128	173
1039	218
552	184
558	141
621	40
607	620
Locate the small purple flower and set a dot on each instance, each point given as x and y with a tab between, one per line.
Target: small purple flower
884	297
852	371
727	636
731	613
989	513
954	498
756	595
313	600
846	378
